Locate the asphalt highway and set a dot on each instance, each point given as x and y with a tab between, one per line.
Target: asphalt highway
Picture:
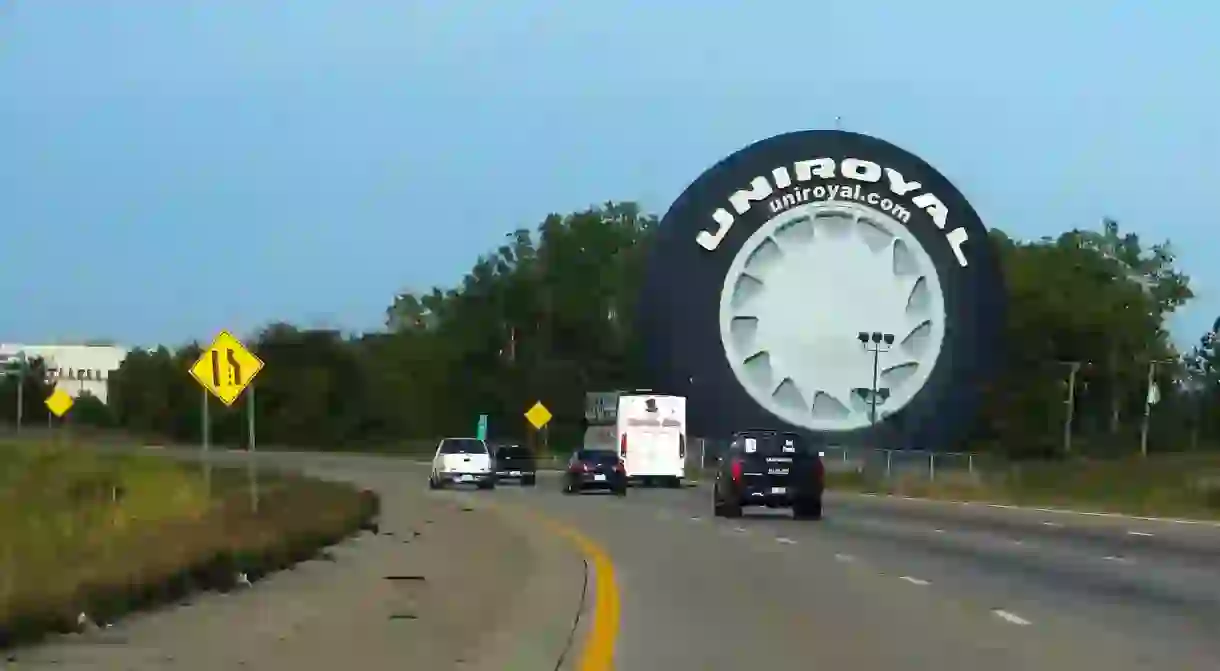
879	584
898	584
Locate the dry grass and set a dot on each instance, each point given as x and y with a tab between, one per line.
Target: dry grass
104	534
1183	486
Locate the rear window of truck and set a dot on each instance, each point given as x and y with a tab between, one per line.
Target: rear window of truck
770	444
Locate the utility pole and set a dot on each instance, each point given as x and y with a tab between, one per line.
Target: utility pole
1070	403
1151	397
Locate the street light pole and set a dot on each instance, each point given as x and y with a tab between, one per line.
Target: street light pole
876	343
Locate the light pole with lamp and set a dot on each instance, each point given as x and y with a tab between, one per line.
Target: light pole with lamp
875	342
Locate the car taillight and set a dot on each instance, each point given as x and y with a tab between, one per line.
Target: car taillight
819	470
736	470
619	468
622	447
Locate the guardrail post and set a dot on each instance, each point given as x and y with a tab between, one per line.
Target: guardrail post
970	463
931	466
888	454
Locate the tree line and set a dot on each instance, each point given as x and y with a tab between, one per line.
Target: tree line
548	315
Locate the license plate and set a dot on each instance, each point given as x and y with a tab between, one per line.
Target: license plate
514	473
599	477
779	490
466	478
777	471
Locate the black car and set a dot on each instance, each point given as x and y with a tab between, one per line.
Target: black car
771	469
514	462
595	469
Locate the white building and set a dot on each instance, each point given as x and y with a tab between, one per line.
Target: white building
75	368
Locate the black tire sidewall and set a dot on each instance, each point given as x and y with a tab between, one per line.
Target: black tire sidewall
680	301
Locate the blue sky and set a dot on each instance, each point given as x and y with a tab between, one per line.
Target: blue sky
168	169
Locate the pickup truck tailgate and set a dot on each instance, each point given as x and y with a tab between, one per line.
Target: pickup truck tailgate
466	463
779	466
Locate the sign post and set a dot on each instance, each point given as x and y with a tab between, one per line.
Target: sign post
481	429
58	404
18	365
207	439
252	472
225	369
538	416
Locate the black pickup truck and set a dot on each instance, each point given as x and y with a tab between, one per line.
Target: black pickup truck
770	469
514	462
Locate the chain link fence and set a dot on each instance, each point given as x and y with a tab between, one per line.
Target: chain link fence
870	462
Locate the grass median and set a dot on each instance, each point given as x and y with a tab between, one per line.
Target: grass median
105	534
1185	486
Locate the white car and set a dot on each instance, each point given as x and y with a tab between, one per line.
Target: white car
462	461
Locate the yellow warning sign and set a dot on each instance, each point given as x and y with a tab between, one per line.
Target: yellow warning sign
59	402
538	415
226	368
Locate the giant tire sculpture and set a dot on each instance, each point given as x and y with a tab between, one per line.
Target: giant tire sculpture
767	267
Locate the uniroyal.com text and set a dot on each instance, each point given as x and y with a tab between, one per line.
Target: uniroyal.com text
833	192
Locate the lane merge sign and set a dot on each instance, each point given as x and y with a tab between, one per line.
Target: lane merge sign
226	368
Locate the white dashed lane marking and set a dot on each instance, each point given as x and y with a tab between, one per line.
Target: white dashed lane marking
1052	524
914	581
784	540
1139	533
1120	560
740	530
844	558
1011	618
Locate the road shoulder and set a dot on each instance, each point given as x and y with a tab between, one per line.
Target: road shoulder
426	592
547	627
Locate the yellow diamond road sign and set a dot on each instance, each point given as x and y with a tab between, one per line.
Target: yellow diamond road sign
59	402
226	368
538	415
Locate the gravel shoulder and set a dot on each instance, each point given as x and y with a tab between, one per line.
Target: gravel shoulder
442	585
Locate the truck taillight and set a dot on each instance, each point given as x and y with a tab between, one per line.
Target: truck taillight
622	447
681	447
735	471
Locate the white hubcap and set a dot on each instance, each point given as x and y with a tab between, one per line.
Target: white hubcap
799	292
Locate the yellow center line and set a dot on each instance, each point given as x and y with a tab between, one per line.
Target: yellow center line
597	651
597	654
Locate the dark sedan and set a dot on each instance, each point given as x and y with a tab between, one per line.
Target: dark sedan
595	469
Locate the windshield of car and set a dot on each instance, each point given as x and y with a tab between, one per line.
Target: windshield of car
598	456
463	446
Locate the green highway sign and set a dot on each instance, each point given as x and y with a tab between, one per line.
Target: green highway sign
481	429
13	364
